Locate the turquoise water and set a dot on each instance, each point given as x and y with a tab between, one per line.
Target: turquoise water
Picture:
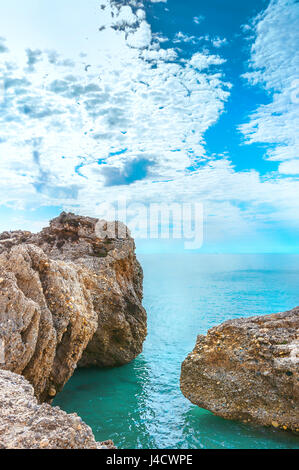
140	405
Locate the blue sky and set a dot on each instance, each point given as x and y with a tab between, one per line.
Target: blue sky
153	102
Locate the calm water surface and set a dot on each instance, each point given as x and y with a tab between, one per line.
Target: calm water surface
140	405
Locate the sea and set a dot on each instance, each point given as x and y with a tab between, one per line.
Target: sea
140	405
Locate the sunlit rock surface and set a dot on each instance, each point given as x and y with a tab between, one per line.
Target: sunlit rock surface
25	424
247	369
69	294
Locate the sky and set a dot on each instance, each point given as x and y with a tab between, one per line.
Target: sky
153	102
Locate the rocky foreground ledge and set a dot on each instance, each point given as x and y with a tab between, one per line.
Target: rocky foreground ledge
69	296
24	424
247	369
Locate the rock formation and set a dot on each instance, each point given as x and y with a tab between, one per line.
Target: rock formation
247	369
24	424
69	294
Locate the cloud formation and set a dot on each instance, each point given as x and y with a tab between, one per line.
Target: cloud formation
3	47
143	100
126	118
274	65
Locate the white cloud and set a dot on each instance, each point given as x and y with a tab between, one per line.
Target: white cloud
141	38
198	19
274	65
203	61
126	112
216	42
126	17
289	167
219	42
160	54
124	103
3	47
186	38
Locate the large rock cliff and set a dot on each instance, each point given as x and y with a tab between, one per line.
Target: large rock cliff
247	369
69	294
24	424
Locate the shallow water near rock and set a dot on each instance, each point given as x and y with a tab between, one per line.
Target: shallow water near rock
140	405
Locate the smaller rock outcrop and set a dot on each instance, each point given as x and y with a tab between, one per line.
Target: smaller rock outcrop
24	424
247	369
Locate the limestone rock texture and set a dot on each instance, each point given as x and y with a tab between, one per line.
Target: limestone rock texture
25	424
247	369
69	295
